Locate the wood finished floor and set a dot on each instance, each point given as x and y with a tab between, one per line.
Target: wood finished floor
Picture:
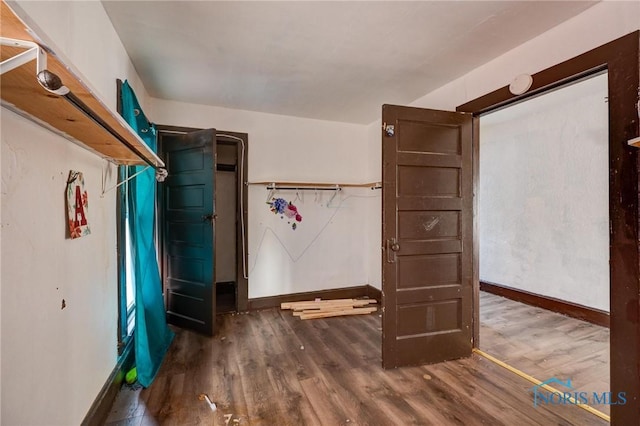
269	368
545	344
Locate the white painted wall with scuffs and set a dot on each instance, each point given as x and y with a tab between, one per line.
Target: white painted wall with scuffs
543	205
327	249
58	357
55	361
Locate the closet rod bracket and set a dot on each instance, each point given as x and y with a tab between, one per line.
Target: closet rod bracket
33	52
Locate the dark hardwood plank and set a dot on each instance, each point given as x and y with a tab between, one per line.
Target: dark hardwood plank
270	368
545	344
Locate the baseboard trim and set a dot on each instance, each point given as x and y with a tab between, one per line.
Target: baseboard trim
99	411
336	293
594	316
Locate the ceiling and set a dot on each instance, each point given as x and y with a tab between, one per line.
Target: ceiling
336	61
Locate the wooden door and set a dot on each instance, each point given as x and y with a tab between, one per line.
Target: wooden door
189	226
427	210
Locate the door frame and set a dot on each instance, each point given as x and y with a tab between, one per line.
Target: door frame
242	296
620	58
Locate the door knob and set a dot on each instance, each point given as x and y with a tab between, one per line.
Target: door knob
209	217
392	248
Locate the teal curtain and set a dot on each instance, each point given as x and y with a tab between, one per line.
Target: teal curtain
152	335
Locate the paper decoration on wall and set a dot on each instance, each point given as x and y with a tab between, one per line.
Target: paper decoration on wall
285	209
77	205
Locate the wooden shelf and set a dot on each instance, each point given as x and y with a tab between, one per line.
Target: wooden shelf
21	92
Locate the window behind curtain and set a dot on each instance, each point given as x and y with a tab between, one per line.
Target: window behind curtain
126	281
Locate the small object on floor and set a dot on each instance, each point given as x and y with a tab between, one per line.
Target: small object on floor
426	377
302	347
205	397
131	376
134	387
330	308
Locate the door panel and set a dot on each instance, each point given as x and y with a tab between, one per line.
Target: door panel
428	225
427	236
445	267
188	209
425	180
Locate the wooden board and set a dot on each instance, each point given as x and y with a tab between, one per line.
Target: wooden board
320	304
21	91
313	309
339	313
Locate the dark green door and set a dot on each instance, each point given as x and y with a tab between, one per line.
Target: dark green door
189	227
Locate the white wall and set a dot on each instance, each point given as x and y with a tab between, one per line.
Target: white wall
543	205
54	361
326	251
58	357
374	207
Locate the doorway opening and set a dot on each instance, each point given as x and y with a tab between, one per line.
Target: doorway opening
227	217
620	59
543	229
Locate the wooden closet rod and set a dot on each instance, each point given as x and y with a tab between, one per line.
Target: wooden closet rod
320	186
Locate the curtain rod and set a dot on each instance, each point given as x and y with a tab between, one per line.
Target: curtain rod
305	188
84	108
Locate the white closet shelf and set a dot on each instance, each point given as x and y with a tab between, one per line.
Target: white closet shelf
80	115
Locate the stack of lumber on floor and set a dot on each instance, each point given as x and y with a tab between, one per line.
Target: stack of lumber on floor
312	309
